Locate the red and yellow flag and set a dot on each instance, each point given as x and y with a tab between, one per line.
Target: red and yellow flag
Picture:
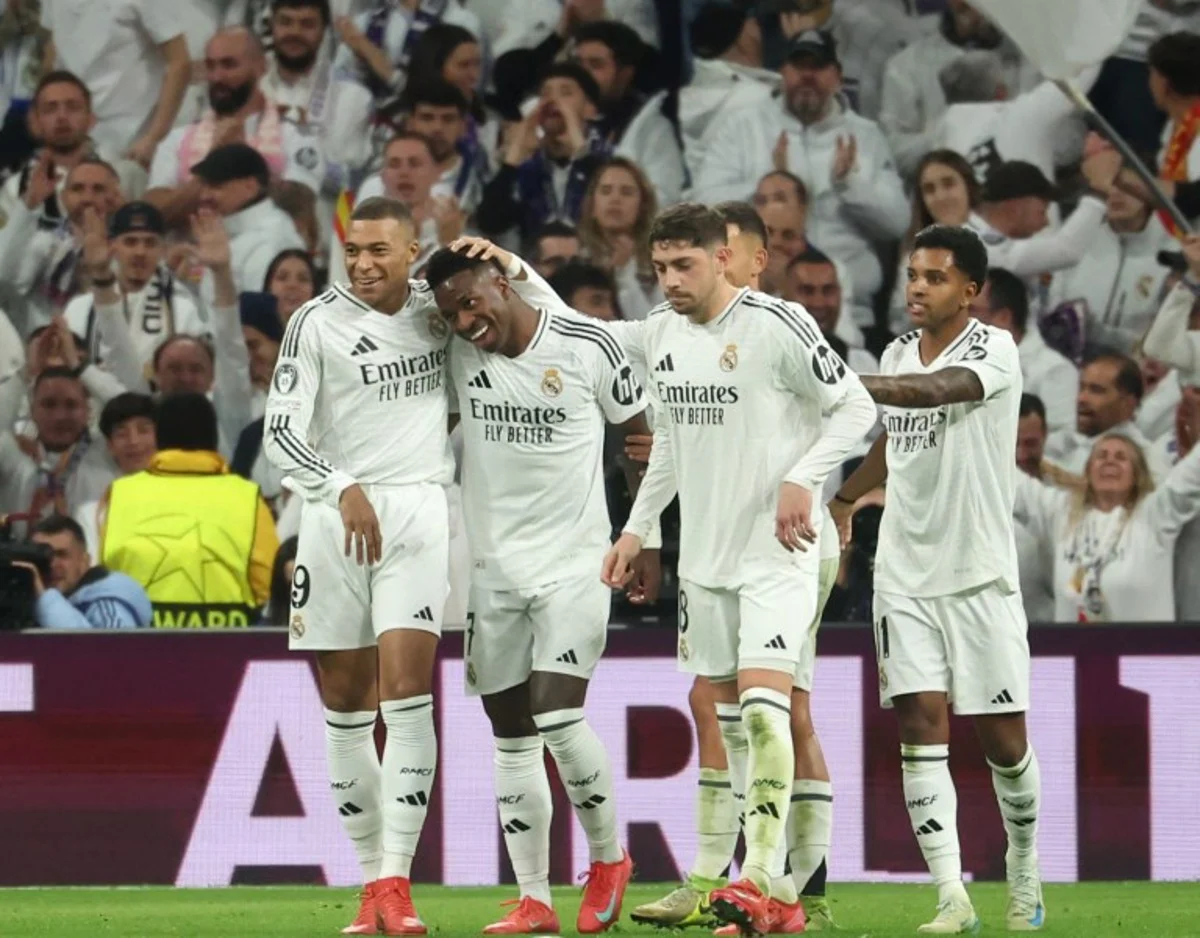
341	214
1174	164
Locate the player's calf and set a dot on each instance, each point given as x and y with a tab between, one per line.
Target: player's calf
766	714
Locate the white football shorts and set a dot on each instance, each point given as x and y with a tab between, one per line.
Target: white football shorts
971	645
560	627
338	604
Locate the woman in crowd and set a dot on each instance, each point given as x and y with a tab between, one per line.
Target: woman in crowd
1113	536
450	53
292	279
947	193
617	211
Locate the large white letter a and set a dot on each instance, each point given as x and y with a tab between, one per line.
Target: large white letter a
276	698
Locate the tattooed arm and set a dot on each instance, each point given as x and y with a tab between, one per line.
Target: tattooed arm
953	385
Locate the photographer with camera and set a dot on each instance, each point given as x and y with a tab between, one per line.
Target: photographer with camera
79	595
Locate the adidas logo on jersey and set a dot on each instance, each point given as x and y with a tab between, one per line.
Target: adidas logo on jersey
416	800
349	809
666	364
481	380
363	345
567	657
516	826
593	802
776	643
425	615
766	808
1003	697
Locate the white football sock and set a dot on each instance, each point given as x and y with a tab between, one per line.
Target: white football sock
737	753
809	829
525	806
782	886
1019	793
409	762
587	776
767	716
717	824
354	780
932	806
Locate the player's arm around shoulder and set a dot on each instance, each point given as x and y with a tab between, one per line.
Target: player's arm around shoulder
986	367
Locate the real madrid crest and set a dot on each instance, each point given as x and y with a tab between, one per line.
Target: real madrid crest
552	383
438	327
471	674
882	678
683	649
729	358
297	626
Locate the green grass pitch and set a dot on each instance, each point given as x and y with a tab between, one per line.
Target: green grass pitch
1091	910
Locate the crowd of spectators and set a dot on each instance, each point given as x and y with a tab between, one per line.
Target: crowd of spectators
177	176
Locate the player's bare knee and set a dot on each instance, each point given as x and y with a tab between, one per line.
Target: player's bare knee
549	691
347	680
701	700
509	713
1002	736
404	685
924	719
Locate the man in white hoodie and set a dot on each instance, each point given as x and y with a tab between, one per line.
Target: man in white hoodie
1051	376
856	200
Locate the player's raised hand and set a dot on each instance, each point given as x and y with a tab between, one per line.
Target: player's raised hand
618	562
481	248
361	524
647	578
846	158
793	518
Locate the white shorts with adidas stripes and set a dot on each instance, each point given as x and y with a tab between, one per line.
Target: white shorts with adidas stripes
766	623
560	627
338	604
971	645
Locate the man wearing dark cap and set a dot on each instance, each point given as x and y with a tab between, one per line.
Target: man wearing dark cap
131	286
856	200
1013	219
548	158
233	183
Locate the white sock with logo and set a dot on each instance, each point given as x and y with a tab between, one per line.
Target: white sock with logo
932	806
767	716
354	776
717	823
409	763
525	807
1019	793
809	829
585	772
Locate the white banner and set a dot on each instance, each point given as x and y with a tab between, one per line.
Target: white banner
1063	37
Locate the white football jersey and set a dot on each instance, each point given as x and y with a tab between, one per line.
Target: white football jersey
360	396
161	309
738	404
948	522
533	447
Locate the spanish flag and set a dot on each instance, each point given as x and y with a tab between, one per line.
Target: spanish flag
341	214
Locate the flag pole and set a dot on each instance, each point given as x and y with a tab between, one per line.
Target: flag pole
1102	126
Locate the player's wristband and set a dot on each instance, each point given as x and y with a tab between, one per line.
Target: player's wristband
513	270
838	498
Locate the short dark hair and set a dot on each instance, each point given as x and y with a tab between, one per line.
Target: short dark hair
61	524
1008	291
1129	374
577	275
438	94
124	407
56	371
555	229
92	160
796	181
409	135
623	41
175	340
689	223
446	263
186	421
1032	404
576	73
967	248
811	255
744	217
1174	56
322	6
379	207
60	76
